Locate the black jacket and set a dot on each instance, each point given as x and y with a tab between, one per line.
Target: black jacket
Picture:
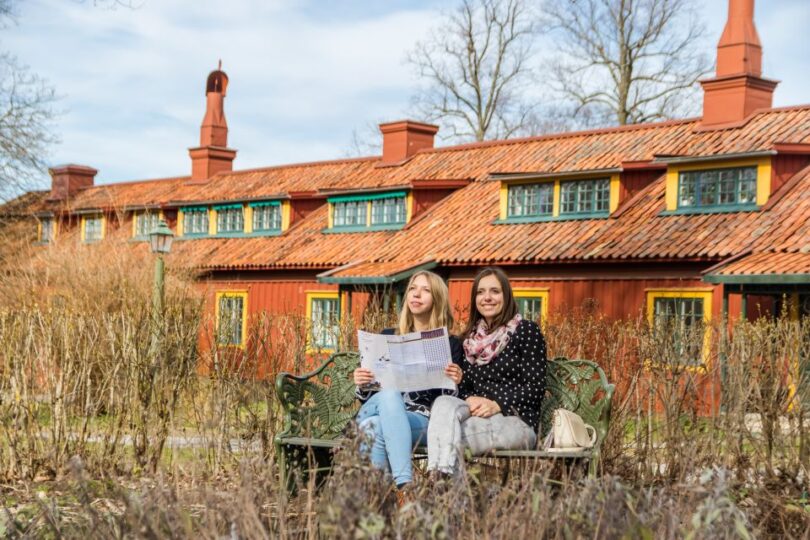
515	379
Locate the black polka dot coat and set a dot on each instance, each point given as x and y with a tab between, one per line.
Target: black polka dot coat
515	379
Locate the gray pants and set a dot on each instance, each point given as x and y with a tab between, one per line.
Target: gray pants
452	429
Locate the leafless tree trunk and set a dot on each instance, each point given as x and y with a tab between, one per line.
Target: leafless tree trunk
475	68
26	114
626	61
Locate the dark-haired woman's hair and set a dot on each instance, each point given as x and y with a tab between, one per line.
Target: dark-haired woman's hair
509	305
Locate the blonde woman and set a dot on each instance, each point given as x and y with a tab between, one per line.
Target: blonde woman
395	422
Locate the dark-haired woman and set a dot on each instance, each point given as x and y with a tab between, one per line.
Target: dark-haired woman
504	376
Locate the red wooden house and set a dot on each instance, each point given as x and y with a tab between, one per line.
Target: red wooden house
692	218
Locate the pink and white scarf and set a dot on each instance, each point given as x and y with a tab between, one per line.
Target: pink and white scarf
481	347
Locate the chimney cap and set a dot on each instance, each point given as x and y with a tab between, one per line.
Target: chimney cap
72	168
217	81
409	125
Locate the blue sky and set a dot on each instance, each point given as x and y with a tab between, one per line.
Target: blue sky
304	73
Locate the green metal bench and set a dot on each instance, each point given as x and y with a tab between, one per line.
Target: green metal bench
317	407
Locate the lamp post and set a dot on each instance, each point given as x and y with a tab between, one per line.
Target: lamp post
160	242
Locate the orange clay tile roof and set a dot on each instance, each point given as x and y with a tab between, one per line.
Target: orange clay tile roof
460	230
576	151
765	263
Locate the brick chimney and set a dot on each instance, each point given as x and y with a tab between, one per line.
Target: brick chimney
213	154
738	88
66	180
404	138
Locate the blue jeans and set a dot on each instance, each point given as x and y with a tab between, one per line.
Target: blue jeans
394	432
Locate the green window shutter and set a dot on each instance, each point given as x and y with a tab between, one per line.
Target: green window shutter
258	204
366	196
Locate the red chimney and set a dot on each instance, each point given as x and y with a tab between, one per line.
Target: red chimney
404	138
66	180
738	88
213	154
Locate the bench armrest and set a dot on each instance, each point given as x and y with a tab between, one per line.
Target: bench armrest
320	403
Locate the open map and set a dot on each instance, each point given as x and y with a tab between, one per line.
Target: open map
409	362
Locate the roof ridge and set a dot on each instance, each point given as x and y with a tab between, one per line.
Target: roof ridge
599	131
132	182
561	135
302	164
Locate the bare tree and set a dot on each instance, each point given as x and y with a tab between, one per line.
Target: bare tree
27	112
626	61
26	118
475	68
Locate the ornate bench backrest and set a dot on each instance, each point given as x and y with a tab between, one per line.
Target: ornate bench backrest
579	386
321	403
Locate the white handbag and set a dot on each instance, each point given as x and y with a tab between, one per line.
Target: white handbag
569	432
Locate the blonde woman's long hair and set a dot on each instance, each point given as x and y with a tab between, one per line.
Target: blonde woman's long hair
440	315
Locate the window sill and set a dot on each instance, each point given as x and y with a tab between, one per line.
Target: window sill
693	367
363	229
321	350
544	219
230	346
719	209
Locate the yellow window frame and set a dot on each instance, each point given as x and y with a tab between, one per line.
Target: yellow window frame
54	229
556	203
764	173
540	293
232	294
320	295
103	227
702	293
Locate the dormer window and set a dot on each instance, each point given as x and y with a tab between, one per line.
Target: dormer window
550	199
145	222
195	221
266	216
230	219
718	187
92	228
368	212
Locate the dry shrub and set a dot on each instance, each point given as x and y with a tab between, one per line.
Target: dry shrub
88	370
357	502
